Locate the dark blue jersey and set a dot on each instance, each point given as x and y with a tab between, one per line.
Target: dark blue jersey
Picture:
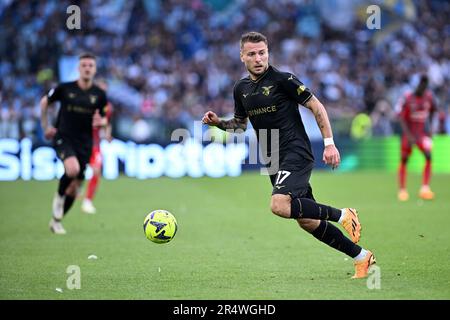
271	102
78	106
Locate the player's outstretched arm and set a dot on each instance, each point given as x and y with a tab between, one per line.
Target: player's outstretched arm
49	131
210	118
330	154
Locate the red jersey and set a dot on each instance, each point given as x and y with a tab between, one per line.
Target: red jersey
416	111
96	131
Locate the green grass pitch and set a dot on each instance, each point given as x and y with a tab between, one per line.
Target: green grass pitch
228	245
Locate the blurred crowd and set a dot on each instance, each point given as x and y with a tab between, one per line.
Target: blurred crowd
168	61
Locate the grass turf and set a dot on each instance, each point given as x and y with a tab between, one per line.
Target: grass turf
228	246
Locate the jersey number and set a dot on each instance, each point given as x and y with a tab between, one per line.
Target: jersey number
281	176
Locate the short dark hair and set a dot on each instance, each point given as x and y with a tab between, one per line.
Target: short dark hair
253	37
424	79
87	55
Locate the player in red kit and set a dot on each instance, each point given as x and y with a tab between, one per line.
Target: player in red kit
95	161
416	113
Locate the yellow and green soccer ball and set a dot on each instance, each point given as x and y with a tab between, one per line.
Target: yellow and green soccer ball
160	226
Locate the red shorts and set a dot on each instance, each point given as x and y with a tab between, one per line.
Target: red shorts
424	143
96	158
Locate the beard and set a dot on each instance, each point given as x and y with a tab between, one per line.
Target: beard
257	74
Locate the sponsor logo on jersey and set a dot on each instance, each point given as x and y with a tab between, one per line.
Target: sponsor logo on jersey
261	110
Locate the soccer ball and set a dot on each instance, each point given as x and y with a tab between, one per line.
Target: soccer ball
160	226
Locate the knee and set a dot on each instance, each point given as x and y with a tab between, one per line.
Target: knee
280	206
72	173
73	170
308	224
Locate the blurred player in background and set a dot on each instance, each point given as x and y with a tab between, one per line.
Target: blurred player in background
270	99
96	157
416	110
82	108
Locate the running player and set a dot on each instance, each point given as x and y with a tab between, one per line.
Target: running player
82	108
270	98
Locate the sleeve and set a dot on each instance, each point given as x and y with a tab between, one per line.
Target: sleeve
55	94
239	110
295	89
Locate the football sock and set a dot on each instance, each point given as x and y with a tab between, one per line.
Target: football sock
307	208
332	236
426	173
342	216
68	202
63	184
361	255
402	175
92	187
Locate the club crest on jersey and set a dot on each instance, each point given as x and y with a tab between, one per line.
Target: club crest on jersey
300	89
71	95
92	98
266	90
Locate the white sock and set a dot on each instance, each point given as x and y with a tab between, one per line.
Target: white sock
361	255
342	216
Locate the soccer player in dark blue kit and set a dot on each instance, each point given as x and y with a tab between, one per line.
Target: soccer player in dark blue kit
270	98
82	109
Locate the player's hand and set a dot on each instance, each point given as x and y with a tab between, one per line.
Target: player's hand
97	120
49	133
331	156
210	118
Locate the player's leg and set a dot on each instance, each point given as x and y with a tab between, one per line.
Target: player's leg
60	200
71	171
425	146
96	164
309	214
299	203
406	149
71	193
292	185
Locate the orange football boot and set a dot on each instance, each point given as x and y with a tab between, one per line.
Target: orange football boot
426	193
351	224
362	267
